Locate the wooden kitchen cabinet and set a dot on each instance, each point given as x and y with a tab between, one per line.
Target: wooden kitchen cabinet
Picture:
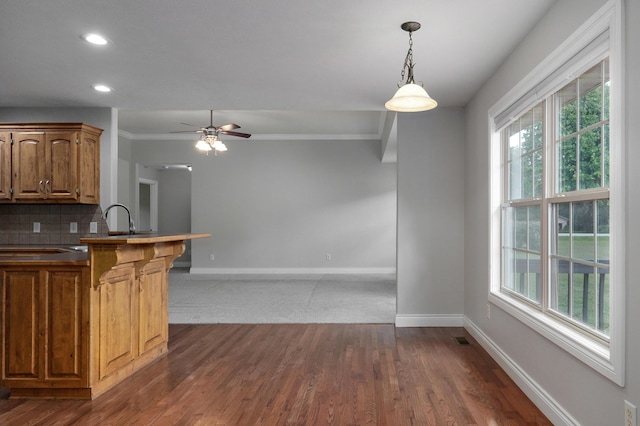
73	325
53	163
45	338
63	337
5	166
130	307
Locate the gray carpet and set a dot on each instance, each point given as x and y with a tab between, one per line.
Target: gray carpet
266	299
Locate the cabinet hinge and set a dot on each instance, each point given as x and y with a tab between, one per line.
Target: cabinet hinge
78	191
11	191
77	141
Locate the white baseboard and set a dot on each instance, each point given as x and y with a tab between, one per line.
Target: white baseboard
549	406
452	320
287	271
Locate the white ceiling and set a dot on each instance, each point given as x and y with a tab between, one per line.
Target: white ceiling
274	67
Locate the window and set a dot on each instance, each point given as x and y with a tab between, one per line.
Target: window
557	237
566	274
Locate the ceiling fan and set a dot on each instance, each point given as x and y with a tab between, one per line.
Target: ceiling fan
209	139
212	130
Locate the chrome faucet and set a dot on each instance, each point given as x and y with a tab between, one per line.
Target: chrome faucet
132	228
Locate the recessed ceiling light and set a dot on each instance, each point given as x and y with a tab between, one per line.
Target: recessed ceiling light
94	39
102	88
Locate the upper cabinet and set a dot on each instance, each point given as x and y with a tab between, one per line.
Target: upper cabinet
50	163
5	166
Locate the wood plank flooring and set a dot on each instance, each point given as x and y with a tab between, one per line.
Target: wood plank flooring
301	374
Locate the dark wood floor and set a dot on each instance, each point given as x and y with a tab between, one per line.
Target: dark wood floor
301	374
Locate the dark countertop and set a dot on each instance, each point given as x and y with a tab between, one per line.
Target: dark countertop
43	255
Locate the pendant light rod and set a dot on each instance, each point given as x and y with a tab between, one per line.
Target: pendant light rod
410	27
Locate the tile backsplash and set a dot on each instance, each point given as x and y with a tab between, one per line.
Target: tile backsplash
16	223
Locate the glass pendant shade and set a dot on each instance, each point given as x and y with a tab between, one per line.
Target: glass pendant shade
202	145
411	98
219	146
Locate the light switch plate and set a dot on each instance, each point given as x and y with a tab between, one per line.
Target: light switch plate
36	227
93	227
73	227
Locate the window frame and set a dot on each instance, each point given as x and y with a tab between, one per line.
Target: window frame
605	357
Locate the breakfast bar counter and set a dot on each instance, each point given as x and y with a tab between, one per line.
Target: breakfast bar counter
73	329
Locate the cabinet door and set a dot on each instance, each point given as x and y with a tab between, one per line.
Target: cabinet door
89	168
66	342
28	166
61	165
20	304
5	166
153	329
118	321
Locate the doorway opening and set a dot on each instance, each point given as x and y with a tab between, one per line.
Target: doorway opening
147	220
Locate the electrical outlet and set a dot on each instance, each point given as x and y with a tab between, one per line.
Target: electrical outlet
328	257
630	414
211	256
36	227
73	227
93	227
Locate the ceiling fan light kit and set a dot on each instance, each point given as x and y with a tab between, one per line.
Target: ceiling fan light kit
210	140
410	97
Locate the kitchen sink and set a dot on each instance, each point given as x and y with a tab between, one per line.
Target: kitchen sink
30	251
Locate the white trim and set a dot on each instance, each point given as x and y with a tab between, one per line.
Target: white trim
425	320
609	361
595	355
285	271
536	393
262	137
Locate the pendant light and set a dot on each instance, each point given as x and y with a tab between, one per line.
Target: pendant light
410	97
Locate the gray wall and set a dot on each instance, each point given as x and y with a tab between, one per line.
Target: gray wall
174	207
174	197
430	217
285	205
588	397
125	179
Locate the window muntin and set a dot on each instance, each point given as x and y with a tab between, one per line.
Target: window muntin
525	137
579	262
582	131
566	275
521	252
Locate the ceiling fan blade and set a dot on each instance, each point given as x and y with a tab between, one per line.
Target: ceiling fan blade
238	134
187	131
188	124
228	127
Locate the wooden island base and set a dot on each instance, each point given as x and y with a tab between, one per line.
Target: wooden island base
93	325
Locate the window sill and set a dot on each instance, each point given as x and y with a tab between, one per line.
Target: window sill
591	352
